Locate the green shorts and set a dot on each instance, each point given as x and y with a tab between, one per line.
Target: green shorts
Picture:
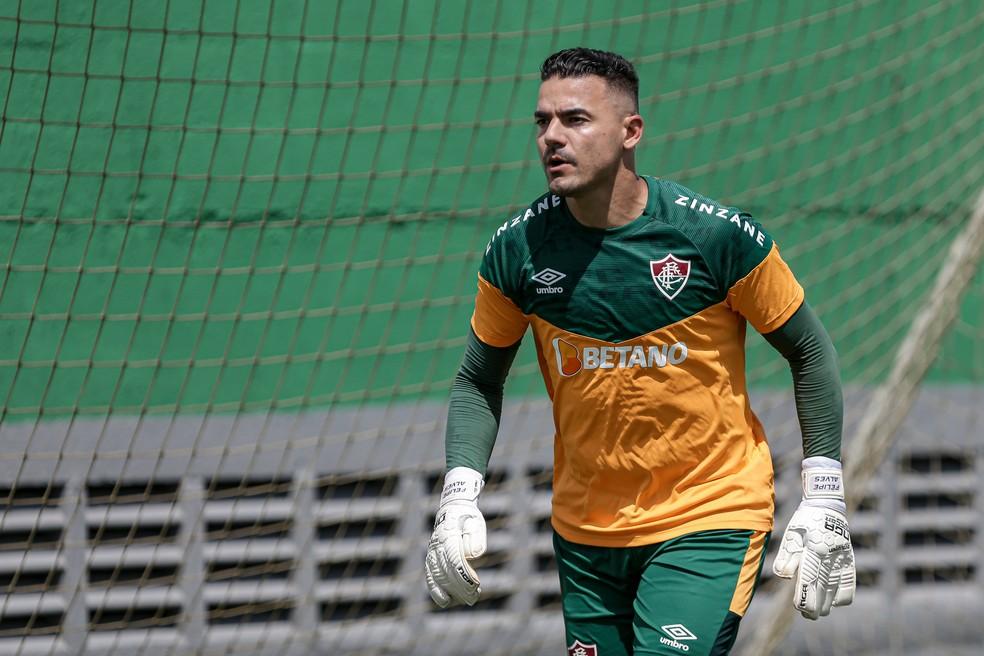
683	596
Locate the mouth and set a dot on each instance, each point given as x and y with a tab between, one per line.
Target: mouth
555	164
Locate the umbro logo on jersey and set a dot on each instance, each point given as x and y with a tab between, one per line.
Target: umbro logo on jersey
676	633
548	277
581	649
670	275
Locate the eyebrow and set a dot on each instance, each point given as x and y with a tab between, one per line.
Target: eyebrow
564	113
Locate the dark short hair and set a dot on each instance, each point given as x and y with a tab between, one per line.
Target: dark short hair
579	62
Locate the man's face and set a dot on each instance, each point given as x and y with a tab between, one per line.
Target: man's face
580	132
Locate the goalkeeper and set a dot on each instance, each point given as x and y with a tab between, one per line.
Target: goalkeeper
638	291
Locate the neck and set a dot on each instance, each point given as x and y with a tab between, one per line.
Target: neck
613	203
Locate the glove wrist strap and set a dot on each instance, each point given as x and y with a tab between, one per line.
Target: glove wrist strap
822	479
461	484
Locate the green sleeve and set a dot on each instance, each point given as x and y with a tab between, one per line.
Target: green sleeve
804	342
476	404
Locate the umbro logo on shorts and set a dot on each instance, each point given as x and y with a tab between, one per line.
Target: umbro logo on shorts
676	633
581	649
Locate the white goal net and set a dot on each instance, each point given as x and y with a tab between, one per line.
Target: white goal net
238	245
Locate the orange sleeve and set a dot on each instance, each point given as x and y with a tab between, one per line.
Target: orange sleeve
497	321
769	295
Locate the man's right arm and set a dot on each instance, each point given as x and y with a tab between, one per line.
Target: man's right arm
475	407
459	535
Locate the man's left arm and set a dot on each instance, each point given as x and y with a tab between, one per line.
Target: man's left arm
816	546
804	342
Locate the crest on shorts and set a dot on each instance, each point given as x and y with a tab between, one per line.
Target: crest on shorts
581	649
670	275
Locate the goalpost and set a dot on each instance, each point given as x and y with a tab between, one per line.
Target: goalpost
238	246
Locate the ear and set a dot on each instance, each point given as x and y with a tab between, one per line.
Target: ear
633	126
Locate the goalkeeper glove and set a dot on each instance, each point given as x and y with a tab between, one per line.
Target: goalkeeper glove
459	535
816	547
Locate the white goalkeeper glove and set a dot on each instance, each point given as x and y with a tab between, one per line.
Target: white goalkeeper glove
816	547
459	535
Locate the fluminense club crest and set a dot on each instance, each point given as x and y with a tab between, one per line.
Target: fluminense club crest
670	275
581	649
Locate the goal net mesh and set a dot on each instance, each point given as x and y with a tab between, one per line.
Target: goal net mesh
238	247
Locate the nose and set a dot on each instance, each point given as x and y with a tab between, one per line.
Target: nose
553	134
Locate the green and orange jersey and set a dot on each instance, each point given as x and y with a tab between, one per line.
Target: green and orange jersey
640	335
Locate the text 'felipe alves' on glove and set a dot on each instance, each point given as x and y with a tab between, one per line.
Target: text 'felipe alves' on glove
459	535
816	547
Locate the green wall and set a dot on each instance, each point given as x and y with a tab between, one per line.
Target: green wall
237	205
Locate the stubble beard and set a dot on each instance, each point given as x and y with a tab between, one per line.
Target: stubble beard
562	187
568	185
572	186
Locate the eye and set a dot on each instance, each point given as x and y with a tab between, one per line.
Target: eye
541	122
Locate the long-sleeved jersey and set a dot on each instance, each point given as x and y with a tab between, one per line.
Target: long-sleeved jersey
640	334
